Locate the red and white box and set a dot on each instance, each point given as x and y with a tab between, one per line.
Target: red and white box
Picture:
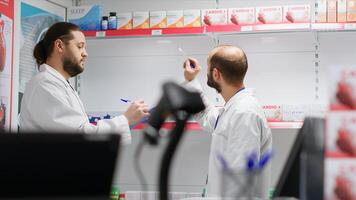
273	113
332	11
269	15
212	17
342	88
341	134
296	14
241	16
340	179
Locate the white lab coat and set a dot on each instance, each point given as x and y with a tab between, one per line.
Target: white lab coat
51	104
241	129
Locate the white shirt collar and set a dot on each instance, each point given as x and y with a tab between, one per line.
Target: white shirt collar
237	96
53	72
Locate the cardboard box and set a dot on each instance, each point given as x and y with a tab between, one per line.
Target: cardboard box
269	15
141	20
351	10
339	179
341	134
192	18
175	18
321	11
86	17
342	88
214	17
241	16
296	13
158	19
124	20
341	10
273	113
332	8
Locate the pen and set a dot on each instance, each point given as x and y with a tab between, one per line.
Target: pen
125	100
184	55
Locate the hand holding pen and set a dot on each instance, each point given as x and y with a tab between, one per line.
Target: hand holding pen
136	111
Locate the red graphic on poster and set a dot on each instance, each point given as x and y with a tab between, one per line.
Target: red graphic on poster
2	46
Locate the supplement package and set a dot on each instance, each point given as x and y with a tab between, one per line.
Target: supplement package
141	20
342	88
269	15
124	20
332	16
341	10
296	13
175	18
341	134
158	19
192	18
321	11
214	17
241	16
351	10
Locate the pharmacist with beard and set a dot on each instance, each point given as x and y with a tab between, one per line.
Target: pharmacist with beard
50	103
238	129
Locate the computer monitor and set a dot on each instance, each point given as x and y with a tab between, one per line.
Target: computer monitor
303	173
57	166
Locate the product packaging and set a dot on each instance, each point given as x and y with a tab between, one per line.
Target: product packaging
214	17
158	19
296	13
175	18
241	16
86	17
141	20
269	15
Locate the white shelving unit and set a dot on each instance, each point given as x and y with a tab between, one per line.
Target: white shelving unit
288	64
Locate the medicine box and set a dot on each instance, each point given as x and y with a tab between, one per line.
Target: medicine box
141	20
214	17
86	17
269	15
241	16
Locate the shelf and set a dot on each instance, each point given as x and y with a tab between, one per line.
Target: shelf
194	126
222	29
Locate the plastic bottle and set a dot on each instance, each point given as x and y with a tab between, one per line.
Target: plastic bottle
104	23
112	21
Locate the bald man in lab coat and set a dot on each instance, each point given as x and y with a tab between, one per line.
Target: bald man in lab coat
238	129
50	103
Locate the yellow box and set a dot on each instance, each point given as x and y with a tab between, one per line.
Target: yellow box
192	18
351	10
141	20
296	13
214	17
321	11
158	19
175	18
269	15
332	16
341	10
124	20
241	16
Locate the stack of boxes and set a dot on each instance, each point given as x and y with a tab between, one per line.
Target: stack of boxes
332	11
340	152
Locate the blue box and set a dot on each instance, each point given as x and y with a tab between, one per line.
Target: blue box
88	18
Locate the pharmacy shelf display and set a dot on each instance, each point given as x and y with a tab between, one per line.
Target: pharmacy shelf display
194	126
223	29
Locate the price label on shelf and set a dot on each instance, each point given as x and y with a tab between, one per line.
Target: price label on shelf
100	34
350	26
156	32
246	28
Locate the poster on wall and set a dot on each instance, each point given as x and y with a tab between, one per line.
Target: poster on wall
36	18
6	61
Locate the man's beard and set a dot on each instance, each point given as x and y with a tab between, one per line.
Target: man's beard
213	84
72	67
